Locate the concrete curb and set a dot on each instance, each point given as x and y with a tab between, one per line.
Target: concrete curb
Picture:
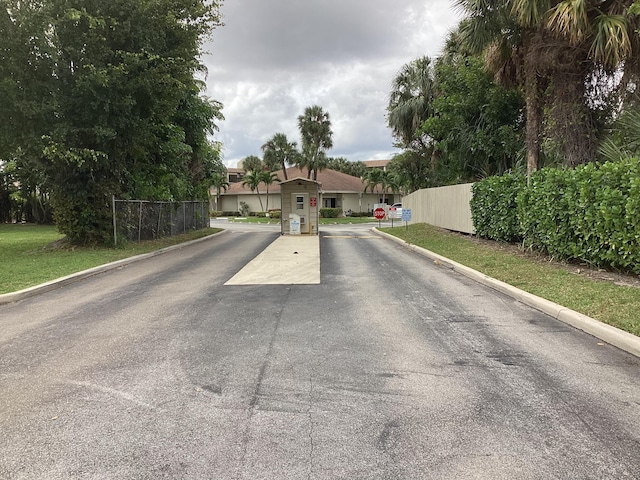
76	277
611	335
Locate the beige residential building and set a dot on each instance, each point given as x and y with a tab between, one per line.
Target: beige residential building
337	190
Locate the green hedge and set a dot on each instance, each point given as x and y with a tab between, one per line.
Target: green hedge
493	207
590	213
330	212
216	213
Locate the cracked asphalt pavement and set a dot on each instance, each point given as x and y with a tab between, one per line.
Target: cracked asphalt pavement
391	368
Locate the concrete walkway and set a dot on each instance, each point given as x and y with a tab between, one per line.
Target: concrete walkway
289	260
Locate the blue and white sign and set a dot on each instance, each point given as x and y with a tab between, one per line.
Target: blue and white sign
406	214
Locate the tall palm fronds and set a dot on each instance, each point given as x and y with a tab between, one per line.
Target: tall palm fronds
316	133
373	179
410	102
624	140
278	152
252	163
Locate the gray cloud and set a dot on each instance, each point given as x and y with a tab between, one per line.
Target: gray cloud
274	58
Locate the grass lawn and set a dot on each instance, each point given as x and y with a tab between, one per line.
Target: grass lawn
603	300
27	260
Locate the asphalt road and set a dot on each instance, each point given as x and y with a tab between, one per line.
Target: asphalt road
391	368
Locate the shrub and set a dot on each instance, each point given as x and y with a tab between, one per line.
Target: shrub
275	213
244	209
359	214
545	208
494	208
591	213
330	212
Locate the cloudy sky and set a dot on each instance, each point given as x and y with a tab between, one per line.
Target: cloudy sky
274	58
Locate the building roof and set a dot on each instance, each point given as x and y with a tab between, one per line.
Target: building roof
331	181
299	179
376	163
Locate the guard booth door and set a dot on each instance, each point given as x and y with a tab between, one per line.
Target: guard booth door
300	206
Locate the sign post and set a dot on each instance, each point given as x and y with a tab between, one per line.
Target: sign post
406	217
379	214
393	213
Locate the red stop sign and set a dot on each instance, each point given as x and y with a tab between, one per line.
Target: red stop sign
379	213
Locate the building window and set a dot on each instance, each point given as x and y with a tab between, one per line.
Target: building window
299	203
329	203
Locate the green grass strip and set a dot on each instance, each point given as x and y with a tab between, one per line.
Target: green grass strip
605	301
323	221
27	258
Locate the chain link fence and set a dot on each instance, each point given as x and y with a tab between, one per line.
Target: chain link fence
136	220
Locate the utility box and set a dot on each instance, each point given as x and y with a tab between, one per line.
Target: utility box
300	200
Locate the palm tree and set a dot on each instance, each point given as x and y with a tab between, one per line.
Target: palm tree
623	141
268	178
252	164
253	179
392	182
410	102
219	181
510	54
373	178
315	130
278	152
561	46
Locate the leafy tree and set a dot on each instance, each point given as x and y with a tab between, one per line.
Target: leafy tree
7	188
279	152
412	171
108	104
315	129
476	125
